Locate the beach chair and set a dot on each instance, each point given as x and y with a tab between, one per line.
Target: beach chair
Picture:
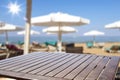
89	44
113	49
20	43
100	45
74	49
36	44
13	50
2	53
70	45
52	43
37	47
52	46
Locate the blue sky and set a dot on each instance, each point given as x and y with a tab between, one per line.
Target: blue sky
99	12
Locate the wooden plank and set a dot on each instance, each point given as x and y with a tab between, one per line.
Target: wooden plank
13	64
36	62
17	59
110	69
98	69
24	76
72	67
82	75
63	67
55	66
76	71
51	62
5	61
34	69
30	61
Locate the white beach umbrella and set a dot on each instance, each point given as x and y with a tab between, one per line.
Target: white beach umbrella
114	25
32	32
62	30
9	27
59	19
93	33
5	28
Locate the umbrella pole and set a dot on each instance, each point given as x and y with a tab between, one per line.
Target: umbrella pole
27	28
94	41
59	40
6	34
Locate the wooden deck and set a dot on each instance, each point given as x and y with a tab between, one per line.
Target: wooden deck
60	66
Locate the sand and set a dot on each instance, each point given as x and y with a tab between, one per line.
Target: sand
99	51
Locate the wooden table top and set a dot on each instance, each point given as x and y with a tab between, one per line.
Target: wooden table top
60	66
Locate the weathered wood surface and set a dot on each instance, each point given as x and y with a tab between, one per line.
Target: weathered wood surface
60	66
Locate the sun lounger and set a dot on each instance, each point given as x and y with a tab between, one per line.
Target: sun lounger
36	44
3	56
20	43
114	48
89	44
52	43
3	53
70	45
13	50
52	46
99	45
74	49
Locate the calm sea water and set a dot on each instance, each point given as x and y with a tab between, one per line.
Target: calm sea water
42	39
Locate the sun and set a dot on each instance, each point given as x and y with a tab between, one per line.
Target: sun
14	8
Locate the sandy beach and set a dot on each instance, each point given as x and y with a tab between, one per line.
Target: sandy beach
99	51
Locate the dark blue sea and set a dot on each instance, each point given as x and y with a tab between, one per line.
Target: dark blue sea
68	39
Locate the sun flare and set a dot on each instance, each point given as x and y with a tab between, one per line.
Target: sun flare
14	8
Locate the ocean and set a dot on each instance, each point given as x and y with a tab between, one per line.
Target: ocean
68	39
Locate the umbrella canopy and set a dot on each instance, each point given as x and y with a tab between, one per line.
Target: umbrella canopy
59	19
94	33
32	32
10	27
114	25
4	28
64	29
